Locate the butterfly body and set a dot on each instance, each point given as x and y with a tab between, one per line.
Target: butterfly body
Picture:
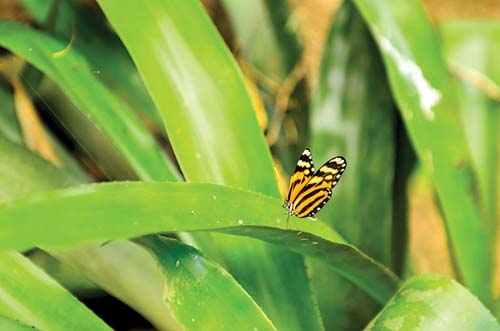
310	191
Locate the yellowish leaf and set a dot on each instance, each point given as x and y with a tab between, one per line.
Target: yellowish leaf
34	133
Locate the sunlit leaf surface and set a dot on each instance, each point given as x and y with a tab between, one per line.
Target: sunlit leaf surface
433	303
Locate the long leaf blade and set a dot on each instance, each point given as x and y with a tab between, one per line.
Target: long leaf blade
353	115
27	294
73	75
208	115
427	98
196	287
133	209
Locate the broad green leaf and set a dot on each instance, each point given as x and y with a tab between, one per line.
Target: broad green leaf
12	325
140	287
433	302
427	98
85	30
472	50
200	93
353	115
72	74
196	287
9	126
212	127
133	209
26	177
126	272
28	295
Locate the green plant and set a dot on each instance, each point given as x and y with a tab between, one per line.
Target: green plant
232	263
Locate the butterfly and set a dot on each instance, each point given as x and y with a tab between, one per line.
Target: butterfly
309	190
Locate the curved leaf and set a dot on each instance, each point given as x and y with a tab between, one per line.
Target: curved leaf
472	49
23	172
432	302
353	115
196	287
73	75
199	91
28	295
212	127
140	287
427	98
133	209
25	176
78	24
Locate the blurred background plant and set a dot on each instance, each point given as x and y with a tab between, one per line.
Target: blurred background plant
230	93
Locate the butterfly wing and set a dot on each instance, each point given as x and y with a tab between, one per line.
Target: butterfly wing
318	190
303	173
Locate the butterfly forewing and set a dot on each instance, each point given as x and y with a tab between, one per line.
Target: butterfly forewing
303	173
316	192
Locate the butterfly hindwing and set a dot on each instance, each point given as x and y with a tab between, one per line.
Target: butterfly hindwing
314	194
303	173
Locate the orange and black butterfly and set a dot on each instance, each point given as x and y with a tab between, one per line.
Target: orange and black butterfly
309	190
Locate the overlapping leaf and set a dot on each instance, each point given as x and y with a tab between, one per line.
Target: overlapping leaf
427	98
353	116
209	119
433	303
133	209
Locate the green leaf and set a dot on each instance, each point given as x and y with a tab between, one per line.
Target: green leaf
199	91
24	172
10	129
462	39
432	302
79	25
11	325
70	278
73	75
9	126
256	37
282	19
140	287
427	98
472	50
353	115
133	209
27	176
196	288
31	297
212	127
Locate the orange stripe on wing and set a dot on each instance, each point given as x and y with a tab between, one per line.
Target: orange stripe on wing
308	207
